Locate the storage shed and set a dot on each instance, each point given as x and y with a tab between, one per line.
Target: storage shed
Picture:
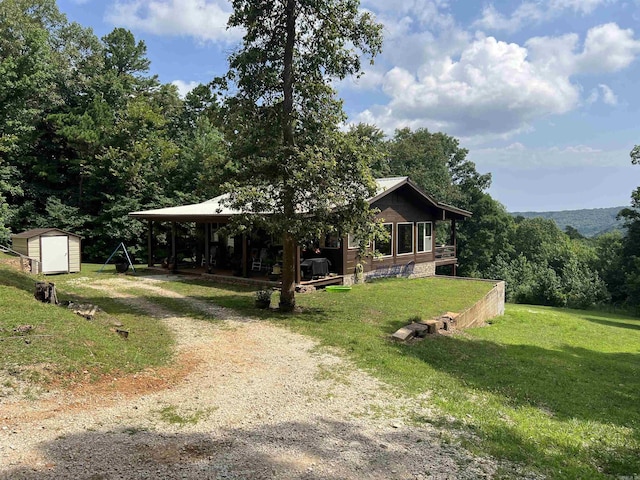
55	250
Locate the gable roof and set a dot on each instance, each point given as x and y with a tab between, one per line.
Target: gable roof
216	208
41	231
391	184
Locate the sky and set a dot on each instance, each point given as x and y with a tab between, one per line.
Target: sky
543	93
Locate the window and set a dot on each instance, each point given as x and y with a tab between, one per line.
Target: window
424	237
352	242
385	247
405	238
331	241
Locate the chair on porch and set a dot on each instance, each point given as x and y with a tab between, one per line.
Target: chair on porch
212	257
257	260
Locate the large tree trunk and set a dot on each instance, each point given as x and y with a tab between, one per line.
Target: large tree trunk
287	294
290	250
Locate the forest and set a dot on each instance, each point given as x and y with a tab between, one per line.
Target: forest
88	135
589	222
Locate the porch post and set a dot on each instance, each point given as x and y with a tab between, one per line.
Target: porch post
453	235
207	247
174	267
298	276
453	242
150	243
245	273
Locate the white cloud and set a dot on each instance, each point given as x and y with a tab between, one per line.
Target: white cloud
534	12
607	48
519	156
608	96
492	88
495	89
579	6
593	97
205	20
184	87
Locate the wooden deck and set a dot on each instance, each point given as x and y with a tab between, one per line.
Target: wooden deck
446	255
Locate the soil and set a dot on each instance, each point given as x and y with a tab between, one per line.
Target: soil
244	400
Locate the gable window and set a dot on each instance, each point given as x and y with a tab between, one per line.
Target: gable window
424	237
385	247
405	238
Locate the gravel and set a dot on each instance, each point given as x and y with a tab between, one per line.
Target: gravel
246	400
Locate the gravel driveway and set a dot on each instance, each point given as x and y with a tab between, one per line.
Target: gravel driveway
246	400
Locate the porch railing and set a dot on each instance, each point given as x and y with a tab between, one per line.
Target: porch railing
445	251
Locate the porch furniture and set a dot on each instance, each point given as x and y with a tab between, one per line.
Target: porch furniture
315	267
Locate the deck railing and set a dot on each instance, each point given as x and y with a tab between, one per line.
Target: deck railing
445	251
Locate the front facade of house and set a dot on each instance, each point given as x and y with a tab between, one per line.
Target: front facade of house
409	215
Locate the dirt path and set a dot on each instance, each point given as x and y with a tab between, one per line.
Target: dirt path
247	400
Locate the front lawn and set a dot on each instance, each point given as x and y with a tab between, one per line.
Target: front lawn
553	389
556	390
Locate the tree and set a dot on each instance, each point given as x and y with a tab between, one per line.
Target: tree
27	72
437	163
485	236
292	160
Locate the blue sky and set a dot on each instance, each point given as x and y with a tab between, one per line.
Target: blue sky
543	93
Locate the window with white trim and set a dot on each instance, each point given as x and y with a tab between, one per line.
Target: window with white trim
352	242
404	239
425	238
385	247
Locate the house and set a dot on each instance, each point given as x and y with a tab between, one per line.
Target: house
409	214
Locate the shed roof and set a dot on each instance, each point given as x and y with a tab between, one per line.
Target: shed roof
41	231
216	208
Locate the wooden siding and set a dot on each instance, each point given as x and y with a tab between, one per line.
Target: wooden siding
399	207
74	254
34	248
20	245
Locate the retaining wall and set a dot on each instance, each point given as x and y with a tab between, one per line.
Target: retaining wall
490	306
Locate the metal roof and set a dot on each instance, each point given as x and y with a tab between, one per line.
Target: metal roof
41	231
216	207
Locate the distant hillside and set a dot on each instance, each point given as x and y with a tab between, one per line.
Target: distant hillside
589	222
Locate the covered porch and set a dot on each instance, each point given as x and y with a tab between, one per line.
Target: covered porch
196	244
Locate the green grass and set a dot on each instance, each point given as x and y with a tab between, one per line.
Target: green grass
555	390
66	343
171	414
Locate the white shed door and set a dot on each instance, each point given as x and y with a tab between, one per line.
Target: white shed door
54	254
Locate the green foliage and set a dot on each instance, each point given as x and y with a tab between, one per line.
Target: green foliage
546	267
291	158
87	136
485	236
589	222
437	163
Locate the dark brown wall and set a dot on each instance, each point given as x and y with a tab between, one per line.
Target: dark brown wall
397	207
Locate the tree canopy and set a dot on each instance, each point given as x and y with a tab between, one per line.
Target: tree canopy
291	158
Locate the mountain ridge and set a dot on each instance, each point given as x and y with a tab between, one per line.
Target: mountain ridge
590	222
